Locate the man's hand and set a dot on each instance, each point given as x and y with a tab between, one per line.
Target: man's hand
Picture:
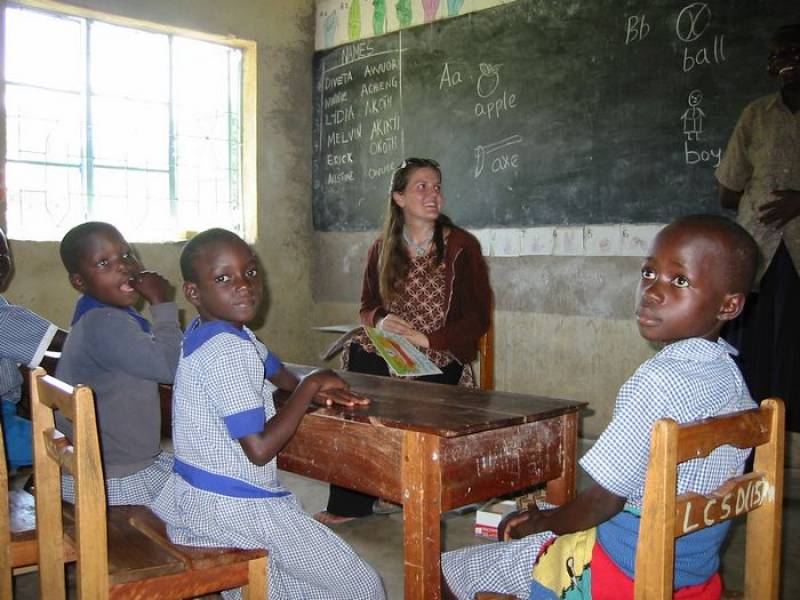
784	208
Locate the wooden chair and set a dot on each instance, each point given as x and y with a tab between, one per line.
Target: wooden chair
17	534
18	553
759	494
122	552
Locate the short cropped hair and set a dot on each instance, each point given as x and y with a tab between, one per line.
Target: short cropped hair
742	250
74	244
195	247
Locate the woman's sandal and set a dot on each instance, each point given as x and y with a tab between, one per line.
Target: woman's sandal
330	519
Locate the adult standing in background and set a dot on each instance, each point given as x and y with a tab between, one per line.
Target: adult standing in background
759	177
426	280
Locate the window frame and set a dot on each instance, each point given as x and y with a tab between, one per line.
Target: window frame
248	48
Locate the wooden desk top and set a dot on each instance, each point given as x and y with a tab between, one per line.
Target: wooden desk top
444	410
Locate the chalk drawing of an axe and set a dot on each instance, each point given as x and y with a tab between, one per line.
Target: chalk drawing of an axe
481	151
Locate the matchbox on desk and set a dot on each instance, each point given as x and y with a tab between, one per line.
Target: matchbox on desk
488	517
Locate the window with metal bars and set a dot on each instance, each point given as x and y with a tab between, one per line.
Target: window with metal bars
105	122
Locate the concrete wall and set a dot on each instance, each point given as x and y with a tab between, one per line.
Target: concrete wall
284	33
563	325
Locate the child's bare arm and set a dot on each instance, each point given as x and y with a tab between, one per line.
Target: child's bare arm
262	447
591	507
285	380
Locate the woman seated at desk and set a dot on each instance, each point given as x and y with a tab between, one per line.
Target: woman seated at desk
426	280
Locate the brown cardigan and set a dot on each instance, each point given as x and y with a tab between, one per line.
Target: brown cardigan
469	296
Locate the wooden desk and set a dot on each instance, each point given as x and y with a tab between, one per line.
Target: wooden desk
434	448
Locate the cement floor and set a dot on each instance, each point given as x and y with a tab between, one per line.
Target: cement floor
379	540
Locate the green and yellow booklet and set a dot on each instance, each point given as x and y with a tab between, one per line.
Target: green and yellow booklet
404	359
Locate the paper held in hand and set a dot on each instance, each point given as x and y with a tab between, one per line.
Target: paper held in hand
404	359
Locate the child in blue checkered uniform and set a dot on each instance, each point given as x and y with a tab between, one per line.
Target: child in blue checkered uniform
24	338
224	490
695	280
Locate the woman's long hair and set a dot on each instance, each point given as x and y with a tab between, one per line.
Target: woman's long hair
393	262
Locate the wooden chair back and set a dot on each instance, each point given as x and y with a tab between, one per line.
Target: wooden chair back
759	494
114	557
486	355
5	525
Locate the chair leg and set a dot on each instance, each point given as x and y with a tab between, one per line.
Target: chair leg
258	580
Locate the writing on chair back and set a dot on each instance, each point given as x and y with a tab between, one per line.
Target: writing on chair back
759	495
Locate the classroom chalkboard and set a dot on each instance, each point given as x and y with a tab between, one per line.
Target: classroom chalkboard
543	112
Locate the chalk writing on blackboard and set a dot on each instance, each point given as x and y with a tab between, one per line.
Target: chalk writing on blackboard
691	24
693	128
485	87
448	79
636	29
593	112
502	161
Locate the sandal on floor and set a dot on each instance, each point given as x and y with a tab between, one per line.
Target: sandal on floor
384	507
331	519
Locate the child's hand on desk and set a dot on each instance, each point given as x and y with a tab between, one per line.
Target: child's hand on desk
520	524
153	287
334	390
341	398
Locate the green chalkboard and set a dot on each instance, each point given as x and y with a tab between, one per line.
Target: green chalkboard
543	112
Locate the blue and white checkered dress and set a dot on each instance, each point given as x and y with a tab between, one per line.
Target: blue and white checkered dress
220	395
688	380
24	337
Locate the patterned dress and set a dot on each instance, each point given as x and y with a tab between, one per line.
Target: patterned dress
421	302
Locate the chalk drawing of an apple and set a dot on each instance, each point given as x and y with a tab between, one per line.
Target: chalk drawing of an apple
488	80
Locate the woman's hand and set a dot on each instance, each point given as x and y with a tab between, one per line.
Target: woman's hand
783	209
394	324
